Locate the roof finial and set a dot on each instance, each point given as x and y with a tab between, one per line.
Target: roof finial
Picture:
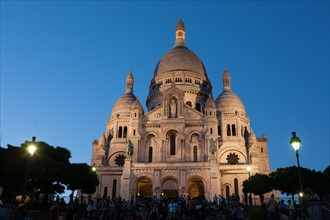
129	82
180	34
226	79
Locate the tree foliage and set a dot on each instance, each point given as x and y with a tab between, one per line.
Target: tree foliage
82	177
258	184
286	180
50	171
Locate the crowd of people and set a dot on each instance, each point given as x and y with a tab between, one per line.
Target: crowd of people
161	208
287	210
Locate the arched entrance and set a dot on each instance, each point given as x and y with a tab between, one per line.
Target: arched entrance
144	187
195	187
170	188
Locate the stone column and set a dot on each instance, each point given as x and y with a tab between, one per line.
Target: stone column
182	184
126	179
156	186
215	178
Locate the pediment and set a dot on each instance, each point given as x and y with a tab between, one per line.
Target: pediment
173	91
191	113
155	114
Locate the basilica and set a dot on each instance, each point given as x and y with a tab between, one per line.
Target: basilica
186	143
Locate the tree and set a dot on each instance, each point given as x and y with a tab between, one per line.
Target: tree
12	170
287	181
258	184
81	177
50	171
48	168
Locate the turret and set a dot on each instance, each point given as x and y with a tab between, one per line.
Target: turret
180	34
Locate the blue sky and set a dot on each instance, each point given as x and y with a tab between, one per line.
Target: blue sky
64	65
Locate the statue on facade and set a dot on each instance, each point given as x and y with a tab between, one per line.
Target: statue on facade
129	148
173	108
212	147
106	148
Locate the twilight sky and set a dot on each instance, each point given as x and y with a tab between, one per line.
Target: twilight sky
64	65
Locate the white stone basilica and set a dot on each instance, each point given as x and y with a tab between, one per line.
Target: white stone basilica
187	143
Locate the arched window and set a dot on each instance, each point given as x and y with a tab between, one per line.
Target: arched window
125	132
233	128
114	188
105	192
236	186
134	132
198	107
219	131
227	191
228	130
211	130
150	155
189	103
172	144
120	131
210	113
195	154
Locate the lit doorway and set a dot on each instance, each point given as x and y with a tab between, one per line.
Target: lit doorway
144	187
195	187
170	188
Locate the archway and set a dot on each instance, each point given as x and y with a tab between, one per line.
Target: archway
196	187
144	187
170	188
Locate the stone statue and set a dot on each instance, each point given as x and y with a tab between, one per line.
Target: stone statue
212	146
129	148
173	108
109	138
106	148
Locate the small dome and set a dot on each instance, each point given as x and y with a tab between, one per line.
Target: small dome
210	102
252	137
102	139
137	105
228	101
125	102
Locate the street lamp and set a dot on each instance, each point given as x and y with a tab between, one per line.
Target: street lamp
31	149
97	188
295	142
248	168
94	168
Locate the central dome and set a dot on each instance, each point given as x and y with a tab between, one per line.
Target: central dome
180	58
182	68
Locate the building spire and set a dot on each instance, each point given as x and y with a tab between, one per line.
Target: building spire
180	34
129	82
226	79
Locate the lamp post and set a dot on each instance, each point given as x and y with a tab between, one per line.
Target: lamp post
31	149
94	168
248	168
295	143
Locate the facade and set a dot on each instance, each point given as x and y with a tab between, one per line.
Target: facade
186	143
